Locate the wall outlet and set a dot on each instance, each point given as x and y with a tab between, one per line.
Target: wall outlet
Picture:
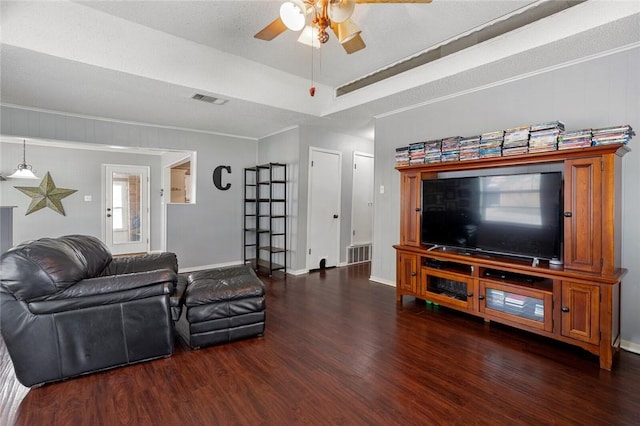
87	198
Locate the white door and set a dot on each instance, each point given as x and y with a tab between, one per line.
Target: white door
323	232
126	209
362	199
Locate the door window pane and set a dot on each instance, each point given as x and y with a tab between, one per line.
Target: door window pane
126	208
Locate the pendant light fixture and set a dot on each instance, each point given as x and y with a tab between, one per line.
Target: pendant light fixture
23	170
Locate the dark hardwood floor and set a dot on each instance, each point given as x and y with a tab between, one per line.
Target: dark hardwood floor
339	350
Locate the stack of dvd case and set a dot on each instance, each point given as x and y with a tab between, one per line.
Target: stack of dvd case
416	153
575	139
451	149
610	135
402	156
544	136
433	151
547	125
491	144
469	148
516	141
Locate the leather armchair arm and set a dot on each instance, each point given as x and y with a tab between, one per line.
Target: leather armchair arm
116	283
141	263
107	290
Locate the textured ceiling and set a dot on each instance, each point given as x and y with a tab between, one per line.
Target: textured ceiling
391	31
142	61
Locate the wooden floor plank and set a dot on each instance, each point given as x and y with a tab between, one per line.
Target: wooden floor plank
339	350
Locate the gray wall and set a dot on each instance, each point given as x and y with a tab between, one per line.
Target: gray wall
207	233
292	147
596	93
318	137
73	169
284	148
202	234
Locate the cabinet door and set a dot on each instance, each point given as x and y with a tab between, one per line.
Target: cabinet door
407	274
581	311
410	209
526	306
583	217
452	290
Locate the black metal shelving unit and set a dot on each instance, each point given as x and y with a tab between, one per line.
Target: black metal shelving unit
265	217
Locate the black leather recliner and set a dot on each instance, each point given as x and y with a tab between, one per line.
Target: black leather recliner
68	308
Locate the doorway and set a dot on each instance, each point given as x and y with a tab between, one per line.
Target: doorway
126	209
323	228
180	183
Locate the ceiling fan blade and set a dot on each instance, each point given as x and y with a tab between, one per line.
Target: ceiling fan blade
353	45
393	1
272	30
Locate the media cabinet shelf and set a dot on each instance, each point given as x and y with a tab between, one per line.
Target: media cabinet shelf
576	303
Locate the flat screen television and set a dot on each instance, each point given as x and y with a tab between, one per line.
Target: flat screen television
509	214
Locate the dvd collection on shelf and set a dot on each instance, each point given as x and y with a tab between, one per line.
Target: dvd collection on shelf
541	137
516	140
491	144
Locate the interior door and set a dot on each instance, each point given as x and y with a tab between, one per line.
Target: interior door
323	232
362	199
126	209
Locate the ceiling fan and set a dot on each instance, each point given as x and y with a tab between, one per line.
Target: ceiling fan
324	14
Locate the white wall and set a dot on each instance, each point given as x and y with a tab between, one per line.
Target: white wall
596	93
202	234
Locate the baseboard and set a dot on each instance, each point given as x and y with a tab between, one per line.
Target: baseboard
224	265
297	272
630	346
203	267
382	281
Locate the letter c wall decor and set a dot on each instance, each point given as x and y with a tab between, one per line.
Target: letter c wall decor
217	177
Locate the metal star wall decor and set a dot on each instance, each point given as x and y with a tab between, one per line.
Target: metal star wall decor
45	195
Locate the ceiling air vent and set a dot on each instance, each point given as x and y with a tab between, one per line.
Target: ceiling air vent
209	99
502	26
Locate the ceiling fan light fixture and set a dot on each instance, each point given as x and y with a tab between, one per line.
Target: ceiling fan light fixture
341	10
309	36
346	31
293	14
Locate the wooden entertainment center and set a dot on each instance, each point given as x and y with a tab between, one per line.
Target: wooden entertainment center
577	302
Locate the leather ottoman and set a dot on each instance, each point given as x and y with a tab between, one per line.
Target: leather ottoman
222	305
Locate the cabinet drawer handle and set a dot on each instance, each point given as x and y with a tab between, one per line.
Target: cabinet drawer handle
568	214
565	309
417	209
413	274
469	294
481	297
